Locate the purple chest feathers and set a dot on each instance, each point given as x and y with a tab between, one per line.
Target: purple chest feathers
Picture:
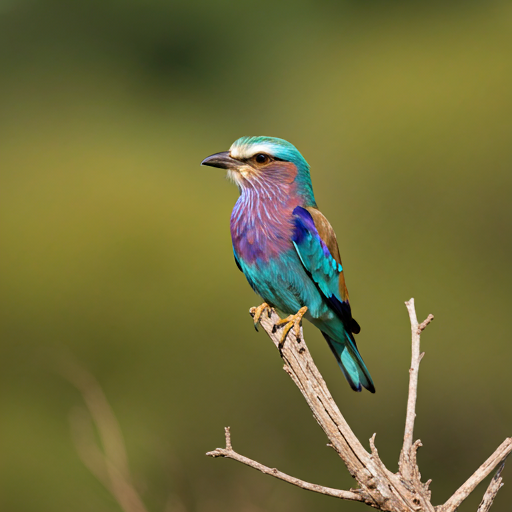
261	222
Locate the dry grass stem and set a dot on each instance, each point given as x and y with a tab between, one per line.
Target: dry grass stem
108	463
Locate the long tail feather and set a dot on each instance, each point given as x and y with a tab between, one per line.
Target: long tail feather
351	363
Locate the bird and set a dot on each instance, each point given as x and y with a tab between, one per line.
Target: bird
286	247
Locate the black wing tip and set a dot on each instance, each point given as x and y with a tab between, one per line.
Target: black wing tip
370	387
355	327
358	388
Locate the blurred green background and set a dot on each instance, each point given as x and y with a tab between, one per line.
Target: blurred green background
116	248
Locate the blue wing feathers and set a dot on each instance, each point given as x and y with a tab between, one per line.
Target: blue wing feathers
314	254
325	271
320	265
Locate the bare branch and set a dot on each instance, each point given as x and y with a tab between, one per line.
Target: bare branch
501	453
425	322
379	487
491	492
229	453
416	358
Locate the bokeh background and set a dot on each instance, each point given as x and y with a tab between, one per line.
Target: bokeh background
116	249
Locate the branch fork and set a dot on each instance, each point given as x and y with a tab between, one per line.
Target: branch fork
378	487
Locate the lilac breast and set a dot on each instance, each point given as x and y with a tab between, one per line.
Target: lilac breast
261	221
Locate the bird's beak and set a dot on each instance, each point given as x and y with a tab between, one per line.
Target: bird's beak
222	160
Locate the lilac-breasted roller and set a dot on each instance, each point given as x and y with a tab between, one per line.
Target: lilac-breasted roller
286	247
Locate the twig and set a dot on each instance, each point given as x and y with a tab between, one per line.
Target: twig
416	358
229	453
501	453
425	322
491	492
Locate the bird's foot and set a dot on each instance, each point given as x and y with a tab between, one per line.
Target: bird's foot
291	321
257	312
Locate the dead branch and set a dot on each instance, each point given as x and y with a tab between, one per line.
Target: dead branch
378	487
416	358
229	453
491	492
501	453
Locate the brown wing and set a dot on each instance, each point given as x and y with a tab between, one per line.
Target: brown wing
328	235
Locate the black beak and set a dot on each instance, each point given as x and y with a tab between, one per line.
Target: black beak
222	161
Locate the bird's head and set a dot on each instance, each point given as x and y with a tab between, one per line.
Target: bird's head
262	162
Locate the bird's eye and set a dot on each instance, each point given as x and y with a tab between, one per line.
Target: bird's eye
261	158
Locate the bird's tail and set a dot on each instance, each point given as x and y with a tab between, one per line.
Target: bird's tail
351	363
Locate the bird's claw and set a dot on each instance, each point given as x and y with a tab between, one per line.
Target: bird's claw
291	321
258	311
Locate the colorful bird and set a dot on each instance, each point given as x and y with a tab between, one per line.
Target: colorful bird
286	247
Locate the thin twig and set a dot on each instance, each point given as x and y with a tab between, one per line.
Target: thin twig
229	453
425	322
416	357
491	492
501	453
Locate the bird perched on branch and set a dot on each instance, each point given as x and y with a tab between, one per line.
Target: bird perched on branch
286	247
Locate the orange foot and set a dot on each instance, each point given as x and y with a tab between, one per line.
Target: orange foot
289	322
257	312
